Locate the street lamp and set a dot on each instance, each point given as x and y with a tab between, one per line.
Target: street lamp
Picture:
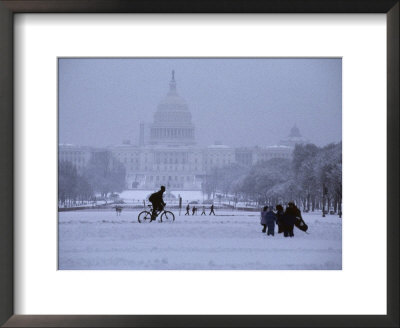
324	192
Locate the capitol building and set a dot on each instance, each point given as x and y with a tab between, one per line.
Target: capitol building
167	153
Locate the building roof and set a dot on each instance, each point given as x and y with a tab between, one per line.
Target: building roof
218	147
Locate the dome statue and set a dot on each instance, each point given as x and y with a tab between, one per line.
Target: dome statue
172	101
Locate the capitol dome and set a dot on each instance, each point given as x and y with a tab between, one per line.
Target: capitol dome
172	122
294	138
295	132
172	101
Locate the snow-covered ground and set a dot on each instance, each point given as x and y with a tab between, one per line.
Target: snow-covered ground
232	240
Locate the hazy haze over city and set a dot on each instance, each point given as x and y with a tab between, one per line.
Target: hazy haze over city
239	102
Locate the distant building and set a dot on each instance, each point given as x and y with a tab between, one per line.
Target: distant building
167	153
277	151
245	156
77	155
293	138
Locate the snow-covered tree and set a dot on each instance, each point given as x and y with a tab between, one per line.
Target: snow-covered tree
72	186
105	173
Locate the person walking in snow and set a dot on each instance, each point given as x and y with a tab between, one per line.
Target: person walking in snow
212	209
187	209
270	219
193	210
289	219
203	211
279	217
264	219
118	210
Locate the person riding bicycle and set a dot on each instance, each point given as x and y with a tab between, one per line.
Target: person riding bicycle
157	201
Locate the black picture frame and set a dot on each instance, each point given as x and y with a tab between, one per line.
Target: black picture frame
10	7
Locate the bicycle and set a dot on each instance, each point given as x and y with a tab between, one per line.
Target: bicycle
166	216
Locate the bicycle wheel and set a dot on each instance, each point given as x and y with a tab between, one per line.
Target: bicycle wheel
144	217
167	216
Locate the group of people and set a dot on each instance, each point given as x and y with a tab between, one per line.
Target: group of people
284	219
158	204
194	210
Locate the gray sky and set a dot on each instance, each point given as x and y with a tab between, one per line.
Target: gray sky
240	102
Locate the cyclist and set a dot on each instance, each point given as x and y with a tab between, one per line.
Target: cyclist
157	201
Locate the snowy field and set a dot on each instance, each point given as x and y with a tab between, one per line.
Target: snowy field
98	240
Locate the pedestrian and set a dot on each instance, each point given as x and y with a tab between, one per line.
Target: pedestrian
271	219
187	209
264	219
118	210
203	211
212	209
279	217
193	210
289	219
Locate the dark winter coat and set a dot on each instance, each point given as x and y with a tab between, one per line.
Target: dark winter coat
157	198
270	218
279	221
289	218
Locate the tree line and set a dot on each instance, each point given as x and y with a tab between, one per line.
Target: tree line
103	174
312	179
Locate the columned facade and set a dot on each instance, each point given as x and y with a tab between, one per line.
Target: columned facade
167	153
170	156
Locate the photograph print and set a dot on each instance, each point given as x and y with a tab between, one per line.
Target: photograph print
200	164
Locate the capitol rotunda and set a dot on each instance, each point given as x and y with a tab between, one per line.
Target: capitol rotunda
172	123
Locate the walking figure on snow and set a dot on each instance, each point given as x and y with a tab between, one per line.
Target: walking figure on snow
289	219
118	210
212	209
268	219
203	211
187	209
279	217
264	219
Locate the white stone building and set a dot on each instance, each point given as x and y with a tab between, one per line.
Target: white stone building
167	153
293	138
77	155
